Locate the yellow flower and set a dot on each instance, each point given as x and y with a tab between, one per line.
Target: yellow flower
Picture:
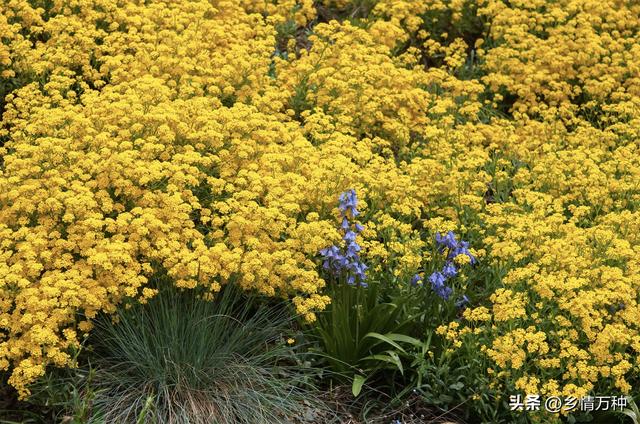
148	136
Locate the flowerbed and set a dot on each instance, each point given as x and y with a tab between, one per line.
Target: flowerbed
210	140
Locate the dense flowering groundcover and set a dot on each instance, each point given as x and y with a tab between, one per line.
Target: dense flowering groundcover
211	139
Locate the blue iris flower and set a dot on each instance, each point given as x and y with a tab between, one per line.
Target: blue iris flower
345	260
449	270
443	291
448	240
331	256
352	250
349	236
464	300
349	202
462	249
437	279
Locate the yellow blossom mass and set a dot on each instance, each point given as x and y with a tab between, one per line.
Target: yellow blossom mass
209	140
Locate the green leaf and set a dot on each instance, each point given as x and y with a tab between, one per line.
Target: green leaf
457	386
397	361
358	382
390	357
385	339
404	338
629	413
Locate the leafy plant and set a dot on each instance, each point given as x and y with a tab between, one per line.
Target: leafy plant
632	411
345	331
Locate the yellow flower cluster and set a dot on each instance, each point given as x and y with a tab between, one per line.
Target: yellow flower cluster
179	137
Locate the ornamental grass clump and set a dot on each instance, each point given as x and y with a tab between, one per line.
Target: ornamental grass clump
181	359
